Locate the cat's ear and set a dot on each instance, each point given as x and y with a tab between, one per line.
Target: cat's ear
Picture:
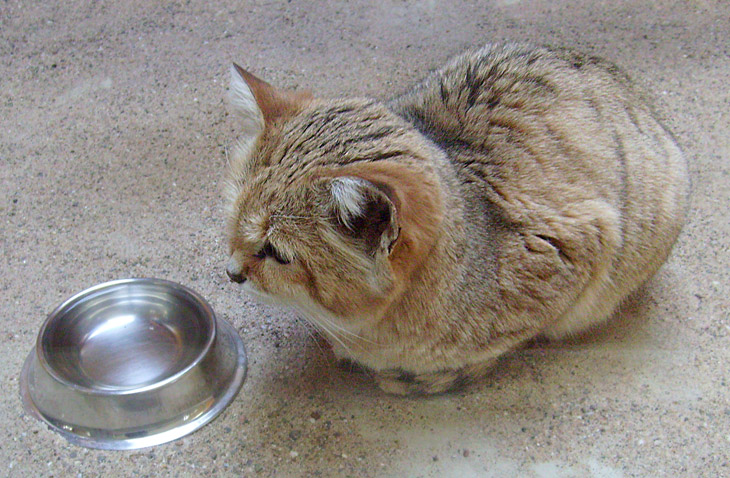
366	212
243	102
259	103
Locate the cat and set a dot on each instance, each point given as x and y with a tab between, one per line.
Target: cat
518	192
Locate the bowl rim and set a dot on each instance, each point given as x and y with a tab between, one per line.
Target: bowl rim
197	298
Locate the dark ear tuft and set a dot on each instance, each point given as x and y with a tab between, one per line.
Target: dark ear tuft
366	213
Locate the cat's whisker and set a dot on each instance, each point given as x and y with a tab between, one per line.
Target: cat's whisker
287	216
319	320
352	366
316	315
308	328
336	338
338	333
352	335
284	216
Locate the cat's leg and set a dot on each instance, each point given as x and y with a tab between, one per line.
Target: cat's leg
595	227
594	306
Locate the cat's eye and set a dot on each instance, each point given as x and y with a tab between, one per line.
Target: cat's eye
270	251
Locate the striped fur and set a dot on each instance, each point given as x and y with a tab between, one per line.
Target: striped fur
516	192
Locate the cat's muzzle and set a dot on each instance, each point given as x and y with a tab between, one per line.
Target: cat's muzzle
234	268
235	277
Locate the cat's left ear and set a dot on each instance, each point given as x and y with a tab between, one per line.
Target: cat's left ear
366	211
259	103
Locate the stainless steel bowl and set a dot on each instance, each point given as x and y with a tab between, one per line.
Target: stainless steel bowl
132	363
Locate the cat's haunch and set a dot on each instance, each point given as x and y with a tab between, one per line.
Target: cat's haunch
517	192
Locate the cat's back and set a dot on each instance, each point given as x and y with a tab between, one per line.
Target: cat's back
566	150
516	104
552	126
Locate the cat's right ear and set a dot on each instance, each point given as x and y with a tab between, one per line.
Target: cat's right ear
366	213
260	104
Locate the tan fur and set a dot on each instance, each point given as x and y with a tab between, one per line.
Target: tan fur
517	192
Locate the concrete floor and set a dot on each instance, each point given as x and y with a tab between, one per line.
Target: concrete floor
114	132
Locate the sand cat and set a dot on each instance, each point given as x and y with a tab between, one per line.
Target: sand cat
518	192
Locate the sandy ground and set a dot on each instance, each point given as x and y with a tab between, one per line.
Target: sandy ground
114	134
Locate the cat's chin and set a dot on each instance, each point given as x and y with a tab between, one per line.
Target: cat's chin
259	296
267	299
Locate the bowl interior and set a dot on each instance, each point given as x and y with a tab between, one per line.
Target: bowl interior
126	336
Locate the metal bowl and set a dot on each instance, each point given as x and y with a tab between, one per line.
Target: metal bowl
132	363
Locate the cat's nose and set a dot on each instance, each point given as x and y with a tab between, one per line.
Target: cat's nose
234	268
235	277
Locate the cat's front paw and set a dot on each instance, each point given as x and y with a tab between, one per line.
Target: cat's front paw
401	382
351	366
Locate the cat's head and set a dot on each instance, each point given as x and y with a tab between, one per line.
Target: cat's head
332	204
